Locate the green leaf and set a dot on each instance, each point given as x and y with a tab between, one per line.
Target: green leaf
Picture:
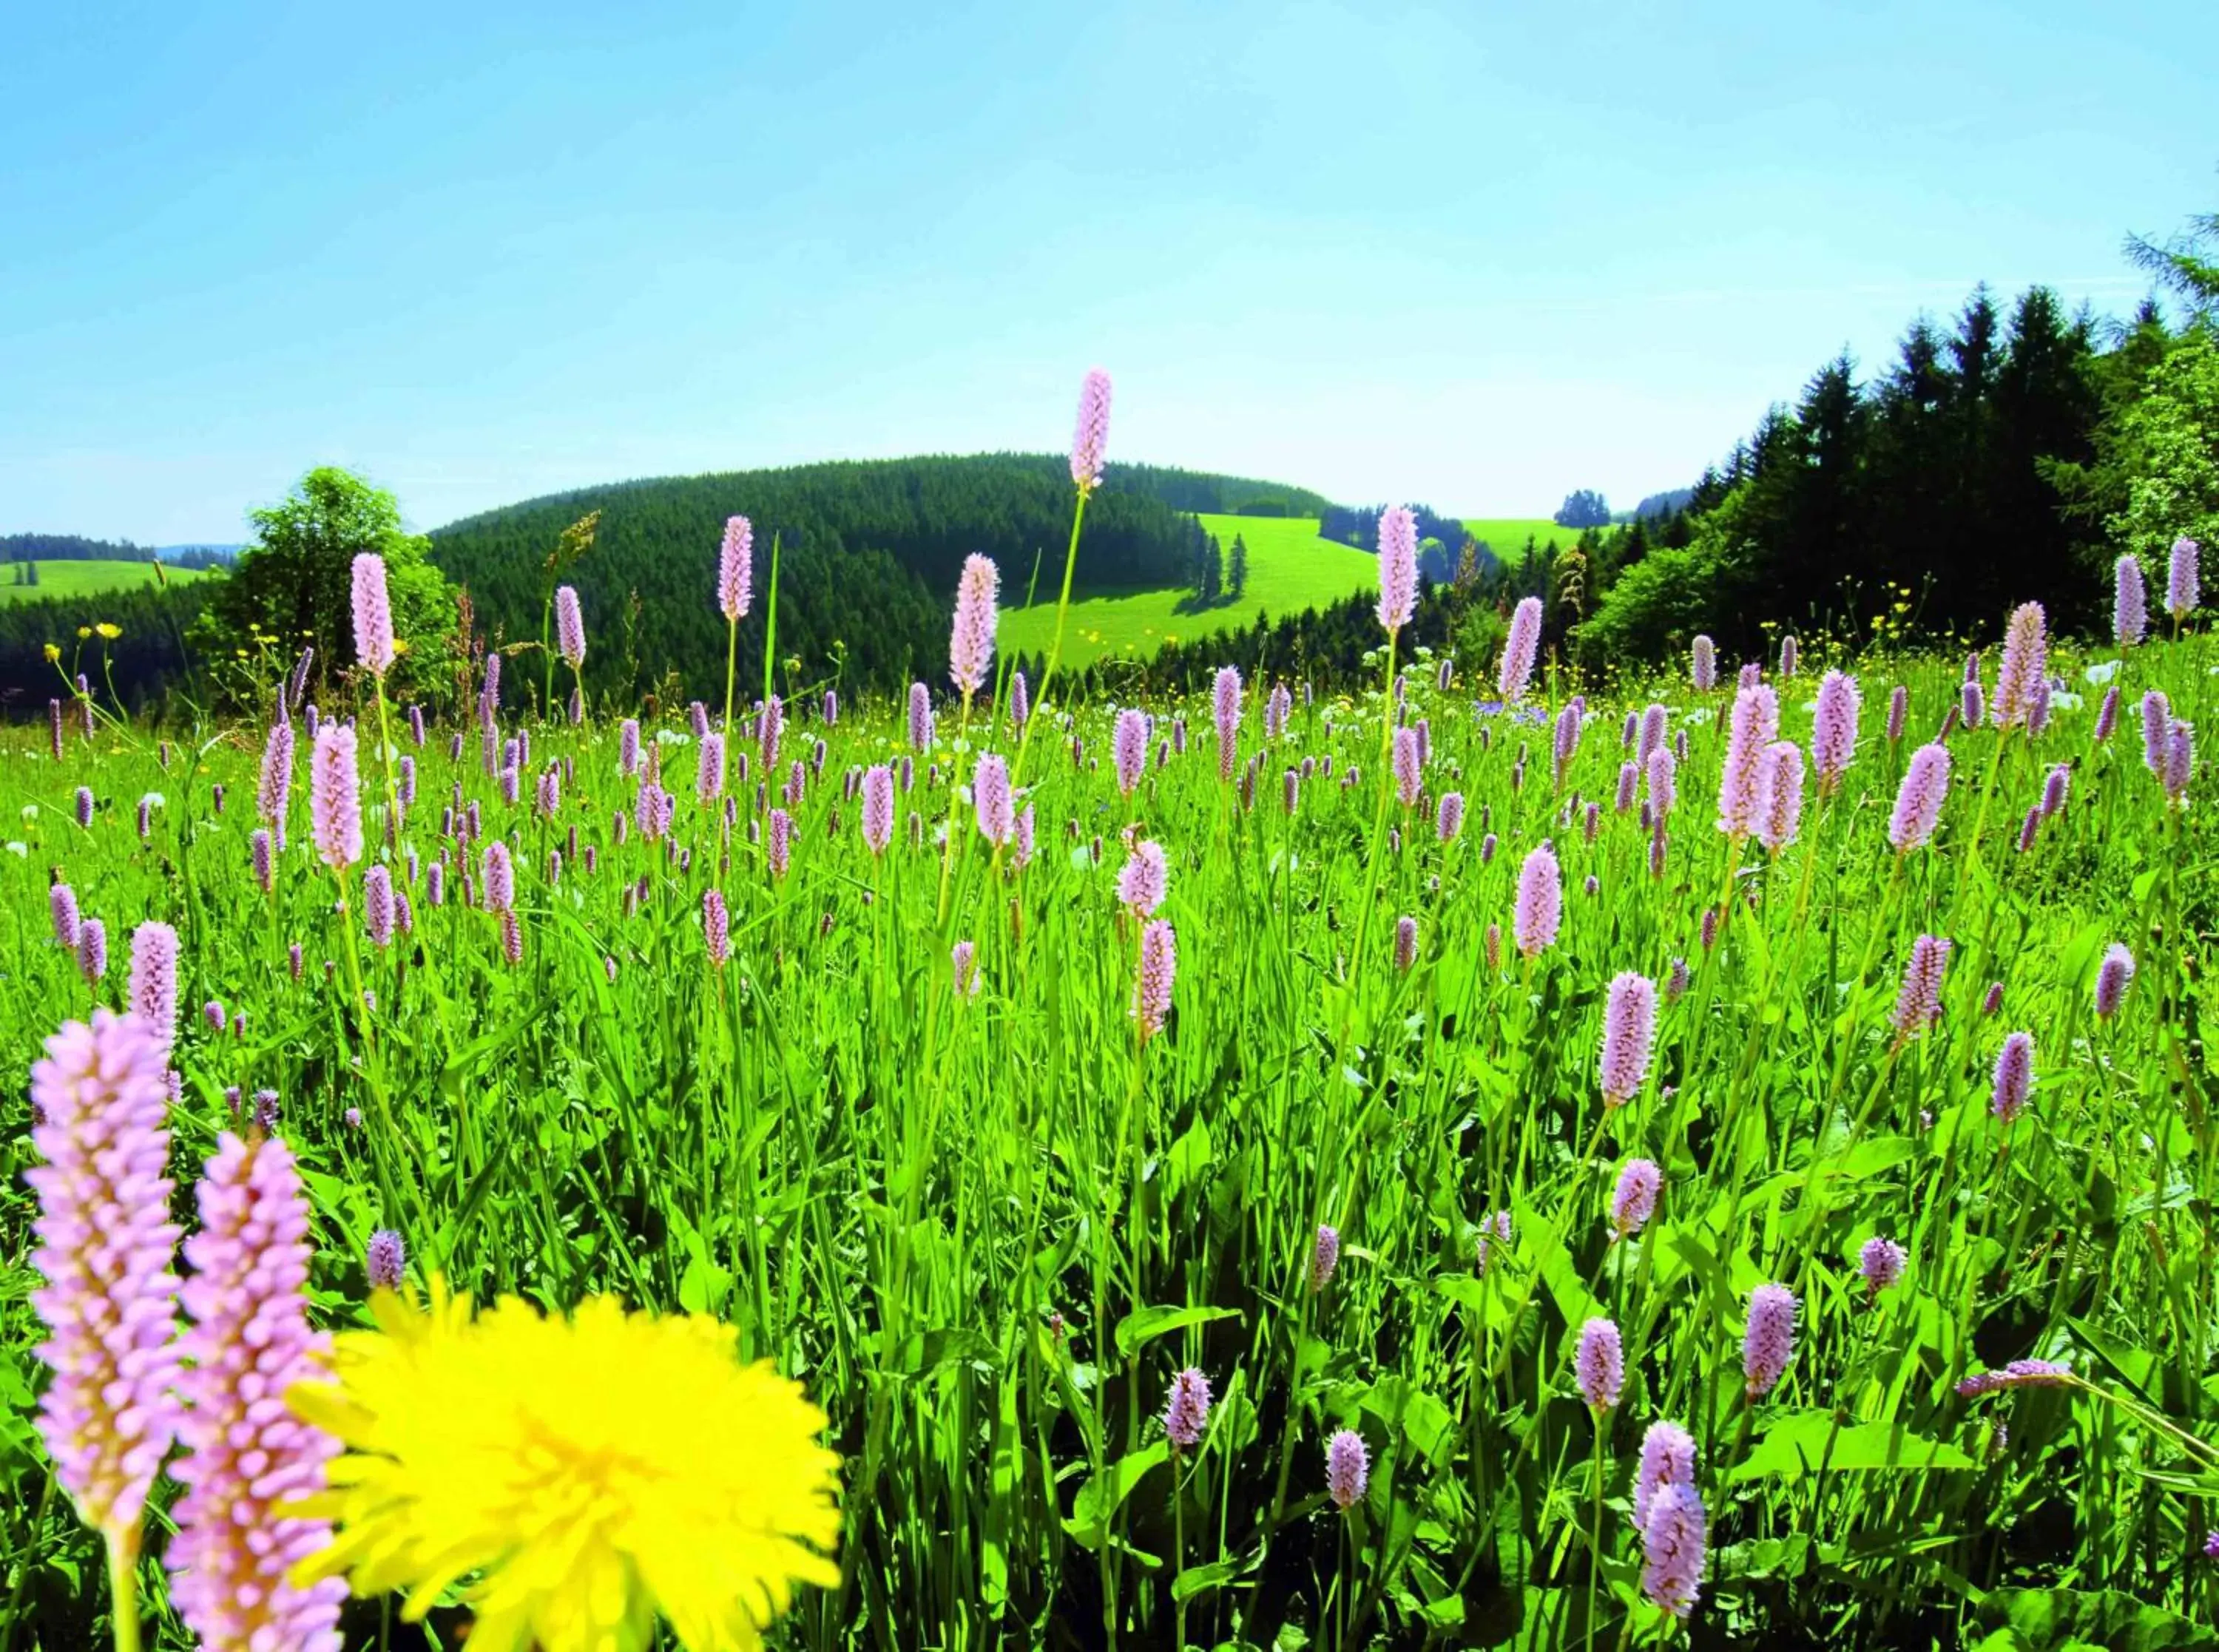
1190	1157
1143	1326
935	1349
2050	1620
1099	1499
1797	1443
1198	1580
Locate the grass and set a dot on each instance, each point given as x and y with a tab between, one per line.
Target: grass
79	579
1289	570
985	1229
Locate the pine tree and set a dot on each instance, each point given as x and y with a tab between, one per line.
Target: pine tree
1236	572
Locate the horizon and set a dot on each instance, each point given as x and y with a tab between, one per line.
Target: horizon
1396	256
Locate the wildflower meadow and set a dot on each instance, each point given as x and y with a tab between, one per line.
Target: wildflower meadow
1501	1157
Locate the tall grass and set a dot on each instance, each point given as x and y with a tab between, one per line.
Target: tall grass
987	1228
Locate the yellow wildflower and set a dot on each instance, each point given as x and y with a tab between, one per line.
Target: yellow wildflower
584	1473
111	633
54	653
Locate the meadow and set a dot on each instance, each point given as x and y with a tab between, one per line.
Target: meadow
1290	569
89	578
1279	1169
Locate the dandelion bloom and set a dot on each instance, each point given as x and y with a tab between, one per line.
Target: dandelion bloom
108	1415
736	569
1129	749
1325	1257
1225	707
2014	1076
1756	723
1880	1262
1768	1341
1398	567
1144	879
1090	439
1918	1002
1520	647
2182	589
1674	1546
1668	1458
1633	1201
1703	665
247	1458
1629	1027
1834	728
569	627
1186	1409
992	800
2024	668
373	615
154	981
2113	976
2130	602
1151	996
1540	905
1348	1468
971	643
1599	1364
335	797
1919	800
563	1464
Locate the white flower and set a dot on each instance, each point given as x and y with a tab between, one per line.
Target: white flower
2102	672
30	812
2060	700
15	848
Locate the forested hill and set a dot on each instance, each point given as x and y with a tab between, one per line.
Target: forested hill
869	550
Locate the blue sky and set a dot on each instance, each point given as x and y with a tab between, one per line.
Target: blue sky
1474	255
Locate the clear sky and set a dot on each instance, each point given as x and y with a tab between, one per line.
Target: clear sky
1472	255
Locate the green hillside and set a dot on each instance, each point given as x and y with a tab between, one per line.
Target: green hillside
1290	569
1506	536
81	579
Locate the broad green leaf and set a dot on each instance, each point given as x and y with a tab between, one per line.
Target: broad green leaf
1143	1326
1798	1443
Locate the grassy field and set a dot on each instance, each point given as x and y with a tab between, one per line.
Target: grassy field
1250	1251
1290	569
63	579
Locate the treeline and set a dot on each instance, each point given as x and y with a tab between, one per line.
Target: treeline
147	659
868	552
1441	539
2011	454
1210	494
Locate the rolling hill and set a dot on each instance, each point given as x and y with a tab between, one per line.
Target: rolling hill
88	578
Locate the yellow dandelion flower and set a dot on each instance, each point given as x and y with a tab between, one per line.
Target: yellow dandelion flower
84	631
581	1475
54	653
111	633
